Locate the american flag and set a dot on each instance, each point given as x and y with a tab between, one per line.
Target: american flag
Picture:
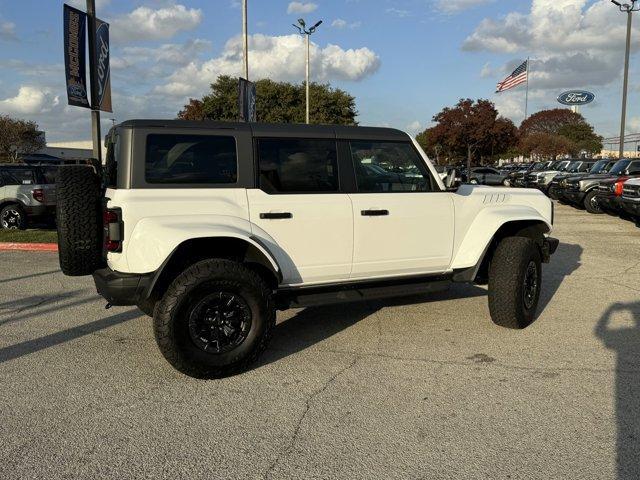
518	77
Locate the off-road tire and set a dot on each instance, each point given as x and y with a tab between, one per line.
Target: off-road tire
552	193
79	220
591	204
507	272
147	306
17	213
170	320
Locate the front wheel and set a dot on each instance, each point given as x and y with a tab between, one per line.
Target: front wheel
553	193
515	280
591	203
506	182
215	319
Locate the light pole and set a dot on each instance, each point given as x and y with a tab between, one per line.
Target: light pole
245	40
628	9
302	28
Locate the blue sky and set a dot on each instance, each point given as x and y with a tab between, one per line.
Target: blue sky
403	60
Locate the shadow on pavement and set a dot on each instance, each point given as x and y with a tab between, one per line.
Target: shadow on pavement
315	324
564	262
625	341
31	346
32	275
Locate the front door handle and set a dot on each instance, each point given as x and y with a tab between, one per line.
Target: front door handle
374	213
275	215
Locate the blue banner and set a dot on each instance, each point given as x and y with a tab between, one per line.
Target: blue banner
103	73
75	34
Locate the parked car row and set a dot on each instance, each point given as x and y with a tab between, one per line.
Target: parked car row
603	186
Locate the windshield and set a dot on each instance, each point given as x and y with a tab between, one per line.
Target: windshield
539	166
619	167
599	167
574	167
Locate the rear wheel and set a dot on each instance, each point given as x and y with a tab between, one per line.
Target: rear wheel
79	220
13	217
215	319
591	203
515	280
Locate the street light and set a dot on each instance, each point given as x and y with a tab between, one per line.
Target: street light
302	28
628	9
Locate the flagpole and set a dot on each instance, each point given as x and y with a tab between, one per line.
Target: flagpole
526	100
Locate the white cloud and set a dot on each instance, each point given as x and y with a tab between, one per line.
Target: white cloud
301	7
456	6
340	23
7	31
398	12
278	58
487	71
29	101
573	43
167	54
145	23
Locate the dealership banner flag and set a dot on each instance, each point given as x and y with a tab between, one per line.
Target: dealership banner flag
247	100
75	34
103	74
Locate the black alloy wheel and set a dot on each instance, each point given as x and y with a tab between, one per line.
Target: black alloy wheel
219	322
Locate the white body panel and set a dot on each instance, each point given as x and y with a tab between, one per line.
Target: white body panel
316	244
156	221
416	236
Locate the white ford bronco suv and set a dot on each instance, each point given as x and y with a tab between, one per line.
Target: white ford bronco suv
211	227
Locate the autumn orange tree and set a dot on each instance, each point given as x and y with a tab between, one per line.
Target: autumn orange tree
558	131
470	130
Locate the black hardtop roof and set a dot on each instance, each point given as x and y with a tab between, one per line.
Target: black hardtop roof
273	129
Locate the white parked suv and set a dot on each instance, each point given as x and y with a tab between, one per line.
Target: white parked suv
211	227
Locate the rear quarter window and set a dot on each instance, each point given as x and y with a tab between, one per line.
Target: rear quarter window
191	159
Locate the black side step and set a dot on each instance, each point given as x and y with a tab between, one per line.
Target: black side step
359	291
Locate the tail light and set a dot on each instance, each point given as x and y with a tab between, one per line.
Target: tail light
113	230
38	195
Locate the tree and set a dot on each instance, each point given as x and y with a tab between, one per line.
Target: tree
276	102
471	130
546	145
546	125
583	136
18	137
550	121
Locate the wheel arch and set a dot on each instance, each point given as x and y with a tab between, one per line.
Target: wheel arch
247	250
534	228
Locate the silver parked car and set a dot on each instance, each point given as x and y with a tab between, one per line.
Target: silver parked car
27	194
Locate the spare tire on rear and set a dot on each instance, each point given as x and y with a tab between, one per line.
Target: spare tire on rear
79	219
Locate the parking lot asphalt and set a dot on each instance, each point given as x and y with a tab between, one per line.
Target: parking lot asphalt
425	387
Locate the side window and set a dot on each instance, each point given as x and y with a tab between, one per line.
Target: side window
389	167
19	176
298	165
191	159
634	168
49	175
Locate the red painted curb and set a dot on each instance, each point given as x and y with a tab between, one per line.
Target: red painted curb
29	247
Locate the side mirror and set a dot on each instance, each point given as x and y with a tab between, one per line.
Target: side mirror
452	182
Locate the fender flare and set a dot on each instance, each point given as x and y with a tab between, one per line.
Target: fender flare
251	240
487	223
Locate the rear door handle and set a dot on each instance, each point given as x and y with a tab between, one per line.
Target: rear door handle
275	215
374	213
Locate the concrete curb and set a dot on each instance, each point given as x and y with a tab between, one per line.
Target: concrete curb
29	247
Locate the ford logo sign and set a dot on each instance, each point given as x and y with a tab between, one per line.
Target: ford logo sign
576	97
76	90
